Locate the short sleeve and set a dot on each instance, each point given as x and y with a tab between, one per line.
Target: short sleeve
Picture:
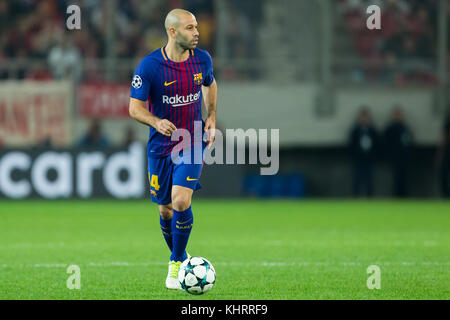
140	84
209	77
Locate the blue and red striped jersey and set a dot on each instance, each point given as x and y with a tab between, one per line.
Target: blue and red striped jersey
174	92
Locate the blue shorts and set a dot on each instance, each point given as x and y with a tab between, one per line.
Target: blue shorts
163	173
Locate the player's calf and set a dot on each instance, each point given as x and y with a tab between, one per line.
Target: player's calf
165	222
182	221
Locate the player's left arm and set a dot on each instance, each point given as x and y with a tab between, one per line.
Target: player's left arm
210	96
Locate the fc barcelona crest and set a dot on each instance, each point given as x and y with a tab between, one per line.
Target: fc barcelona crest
198	78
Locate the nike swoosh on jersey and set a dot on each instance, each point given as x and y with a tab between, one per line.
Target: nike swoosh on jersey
189	179
168	84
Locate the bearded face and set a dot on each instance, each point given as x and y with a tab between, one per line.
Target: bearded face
186	34
187	41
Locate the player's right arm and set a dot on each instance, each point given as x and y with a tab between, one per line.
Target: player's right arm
138	111
140	90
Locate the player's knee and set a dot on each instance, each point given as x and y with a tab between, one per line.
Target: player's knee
165	212
181	202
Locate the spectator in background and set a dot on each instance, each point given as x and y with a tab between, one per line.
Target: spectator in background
94	137
3	70
45	143
65	60
206	25
363	144
238	37
398	144
443	158
38	71
5	17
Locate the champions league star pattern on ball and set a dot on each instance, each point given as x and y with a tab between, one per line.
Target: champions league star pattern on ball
174	92
197	275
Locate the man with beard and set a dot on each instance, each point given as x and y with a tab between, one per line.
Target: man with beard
173	79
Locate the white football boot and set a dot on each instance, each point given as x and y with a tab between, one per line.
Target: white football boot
172	275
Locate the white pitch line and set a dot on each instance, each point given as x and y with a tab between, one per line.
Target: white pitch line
275	243
229	264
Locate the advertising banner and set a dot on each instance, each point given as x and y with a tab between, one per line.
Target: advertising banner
35	112
104	100
73	173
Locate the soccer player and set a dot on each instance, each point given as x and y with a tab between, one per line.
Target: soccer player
173	79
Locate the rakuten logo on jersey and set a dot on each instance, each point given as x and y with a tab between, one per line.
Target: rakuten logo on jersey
179	101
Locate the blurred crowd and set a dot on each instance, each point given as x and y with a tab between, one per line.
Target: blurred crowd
33	31
34	34
405	49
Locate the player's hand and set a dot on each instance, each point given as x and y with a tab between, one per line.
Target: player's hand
165	127
210	124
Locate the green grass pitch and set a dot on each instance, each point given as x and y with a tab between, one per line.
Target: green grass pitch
260	249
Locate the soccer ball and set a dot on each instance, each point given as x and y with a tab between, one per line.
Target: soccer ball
196	275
